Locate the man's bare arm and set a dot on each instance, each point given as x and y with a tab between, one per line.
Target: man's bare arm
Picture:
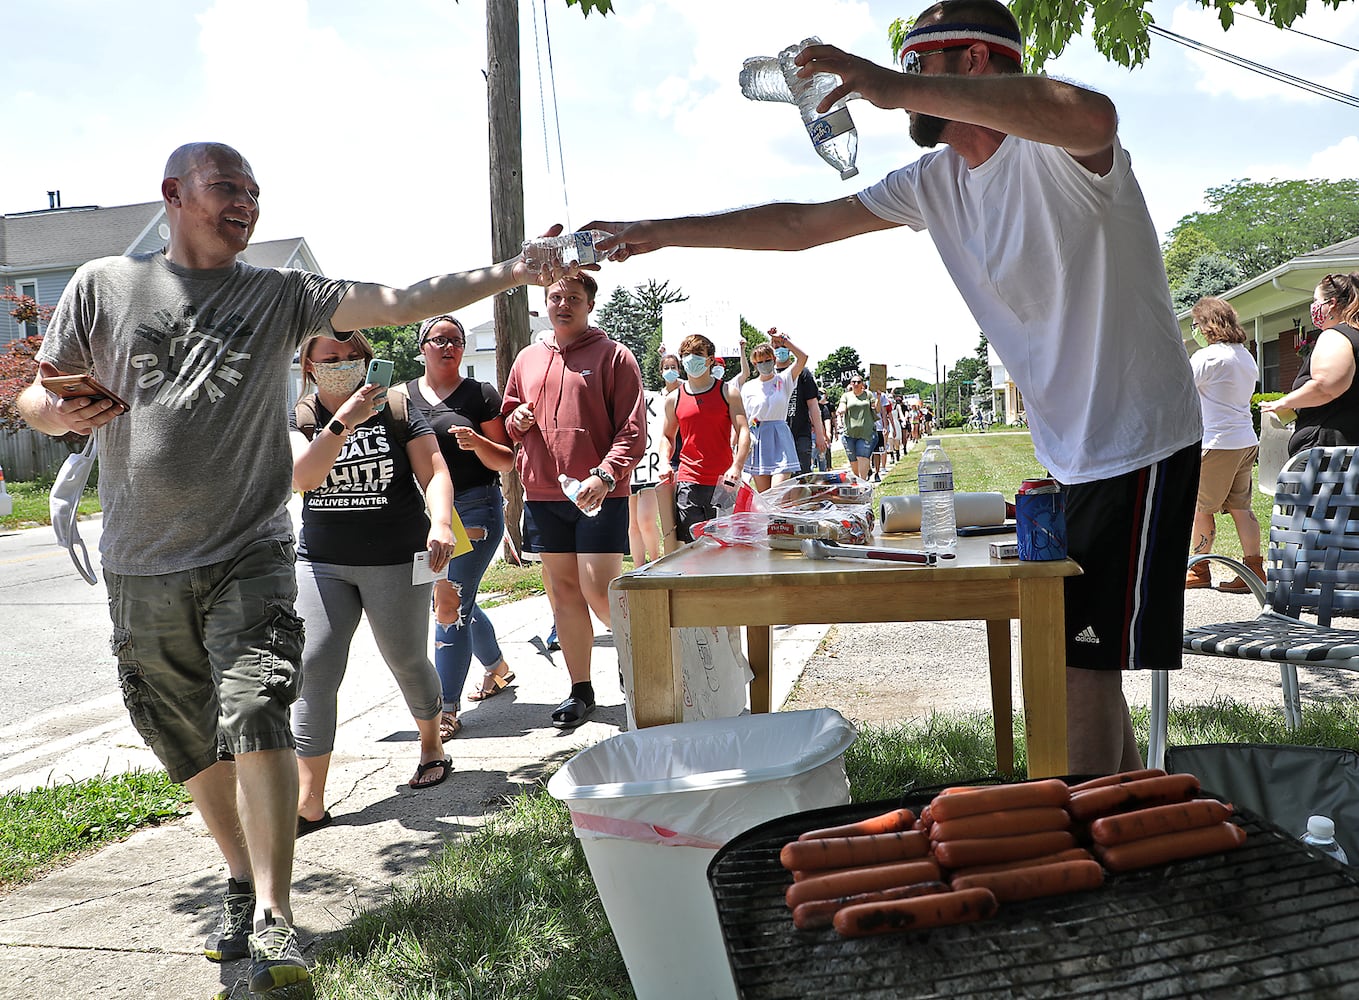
776	226
48	413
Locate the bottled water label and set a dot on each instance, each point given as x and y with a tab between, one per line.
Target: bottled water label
580	250
825	129
928	482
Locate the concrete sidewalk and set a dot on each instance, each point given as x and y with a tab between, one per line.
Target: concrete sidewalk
129	921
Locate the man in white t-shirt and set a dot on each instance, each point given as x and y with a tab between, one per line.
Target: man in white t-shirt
1035	211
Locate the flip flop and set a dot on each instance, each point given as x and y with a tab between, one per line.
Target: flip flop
422	769
571	713
499	682
306	826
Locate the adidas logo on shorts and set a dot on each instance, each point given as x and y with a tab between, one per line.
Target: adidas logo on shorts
1087	634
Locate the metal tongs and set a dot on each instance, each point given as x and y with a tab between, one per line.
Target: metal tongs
818	548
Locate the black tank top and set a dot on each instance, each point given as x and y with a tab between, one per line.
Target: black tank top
1332	424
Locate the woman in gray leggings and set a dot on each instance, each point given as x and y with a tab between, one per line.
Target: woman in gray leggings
357	455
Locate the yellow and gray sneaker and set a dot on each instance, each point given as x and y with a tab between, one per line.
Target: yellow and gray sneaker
275	959
228	942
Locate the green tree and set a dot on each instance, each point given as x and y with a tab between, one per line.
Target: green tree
835	367
1119	27
1186	245
1211	274
960	384
633	318
983	376
401	346
1259	225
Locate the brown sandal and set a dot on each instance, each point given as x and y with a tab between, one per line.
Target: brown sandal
492	684
449	726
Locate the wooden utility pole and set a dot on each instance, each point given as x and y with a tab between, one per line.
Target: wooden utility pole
507	206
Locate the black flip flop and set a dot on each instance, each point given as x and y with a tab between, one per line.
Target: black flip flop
571	713
422	769
306	826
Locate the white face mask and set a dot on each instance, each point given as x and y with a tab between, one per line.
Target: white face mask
718	372
764	367
694	364
339	378
62	505
670	375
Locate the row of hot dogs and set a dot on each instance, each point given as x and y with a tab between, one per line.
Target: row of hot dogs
973	848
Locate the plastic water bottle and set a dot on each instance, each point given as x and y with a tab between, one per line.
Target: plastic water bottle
833	134
938	524
566	250
1321	835
774	78
571	487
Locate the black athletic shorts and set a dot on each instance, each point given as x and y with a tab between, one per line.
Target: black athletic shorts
1131	536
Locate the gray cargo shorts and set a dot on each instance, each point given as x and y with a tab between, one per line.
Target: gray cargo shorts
209	659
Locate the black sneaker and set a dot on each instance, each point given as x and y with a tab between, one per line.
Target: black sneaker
275	959
229	941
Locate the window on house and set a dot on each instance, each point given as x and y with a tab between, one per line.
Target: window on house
29	288
471	371
1269	364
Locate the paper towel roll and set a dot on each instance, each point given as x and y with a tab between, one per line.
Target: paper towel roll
903	513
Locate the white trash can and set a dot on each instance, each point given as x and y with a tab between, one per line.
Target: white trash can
652	807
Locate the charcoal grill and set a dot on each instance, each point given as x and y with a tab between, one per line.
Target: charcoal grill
1271	919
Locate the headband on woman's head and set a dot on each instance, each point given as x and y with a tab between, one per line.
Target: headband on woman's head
945	35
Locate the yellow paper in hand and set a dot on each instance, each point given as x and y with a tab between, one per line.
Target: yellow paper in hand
461	543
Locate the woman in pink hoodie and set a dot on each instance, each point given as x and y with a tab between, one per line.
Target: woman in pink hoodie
573	407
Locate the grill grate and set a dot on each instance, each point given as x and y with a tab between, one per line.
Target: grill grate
1271	919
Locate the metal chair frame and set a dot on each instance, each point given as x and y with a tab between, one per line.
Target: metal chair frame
1311	566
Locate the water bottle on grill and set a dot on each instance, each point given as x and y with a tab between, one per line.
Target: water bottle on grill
938	525
1321	835
571	487
833	135
566	250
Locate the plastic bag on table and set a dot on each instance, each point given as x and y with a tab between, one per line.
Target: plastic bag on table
787	528
841	489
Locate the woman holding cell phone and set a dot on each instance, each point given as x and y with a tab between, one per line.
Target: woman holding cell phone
358	453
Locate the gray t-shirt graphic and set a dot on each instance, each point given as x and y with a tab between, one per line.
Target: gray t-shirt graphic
201	466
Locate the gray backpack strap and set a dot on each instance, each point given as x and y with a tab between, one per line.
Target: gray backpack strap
305	412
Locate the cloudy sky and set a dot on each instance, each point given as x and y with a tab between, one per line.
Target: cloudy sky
366	125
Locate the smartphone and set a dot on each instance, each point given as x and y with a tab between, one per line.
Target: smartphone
379	373
74	386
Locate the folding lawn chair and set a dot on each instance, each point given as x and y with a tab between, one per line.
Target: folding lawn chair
1311	565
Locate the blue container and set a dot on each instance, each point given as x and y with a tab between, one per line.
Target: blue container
1040	525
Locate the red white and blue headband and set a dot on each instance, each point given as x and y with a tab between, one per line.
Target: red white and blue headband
927	38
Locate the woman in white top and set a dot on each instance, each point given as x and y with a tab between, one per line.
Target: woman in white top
1225	374
773	452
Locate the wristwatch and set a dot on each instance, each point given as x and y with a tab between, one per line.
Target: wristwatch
608	480
337	427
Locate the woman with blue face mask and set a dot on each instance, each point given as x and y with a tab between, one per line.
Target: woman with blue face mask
773	452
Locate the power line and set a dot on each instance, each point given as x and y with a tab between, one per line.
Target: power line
1284	27
1258	68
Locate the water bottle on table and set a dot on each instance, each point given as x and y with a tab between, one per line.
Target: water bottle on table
833	135
938	525
1321	835
571	487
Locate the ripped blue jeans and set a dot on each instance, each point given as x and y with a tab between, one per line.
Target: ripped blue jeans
455	642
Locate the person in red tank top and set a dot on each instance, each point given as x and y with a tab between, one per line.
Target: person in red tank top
705	411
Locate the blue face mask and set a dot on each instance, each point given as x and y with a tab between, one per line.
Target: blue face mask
694	364
764	367
718	372
782	354
670	375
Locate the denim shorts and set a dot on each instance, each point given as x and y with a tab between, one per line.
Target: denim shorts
209	659
857	448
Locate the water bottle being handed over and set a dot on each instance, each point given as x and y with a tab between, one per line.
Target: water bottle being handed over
833	134
1321	835
566	250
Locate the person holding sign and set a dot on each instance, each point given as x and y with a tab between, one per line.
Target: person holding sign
362	520
706	412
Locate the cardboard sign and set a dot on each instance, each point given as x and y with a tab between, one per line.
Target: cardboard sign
648	469
877	378
719	321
